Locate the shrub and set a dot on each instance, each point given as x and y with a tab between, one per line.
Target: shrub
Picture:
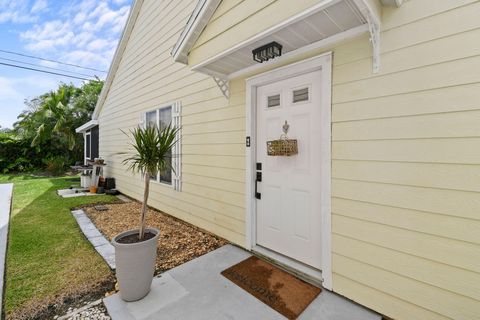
55	165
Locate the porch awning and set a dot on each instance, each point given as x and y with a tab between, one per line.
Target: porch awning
89	125
323	24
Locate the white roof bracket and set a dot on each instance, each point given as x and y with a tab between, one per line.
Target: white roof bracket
373	20
223	85
374	28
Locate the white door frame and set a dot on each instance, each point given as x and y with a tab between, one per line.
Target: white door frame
322	62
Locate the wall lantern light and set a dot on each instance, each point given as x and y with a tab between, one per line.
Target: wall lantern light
267	52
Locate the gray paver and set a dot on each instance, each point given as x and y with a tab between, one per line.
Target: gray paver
124	198
197	290
96	238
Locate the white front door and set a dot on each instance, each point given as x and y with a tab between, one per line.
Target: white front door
288	217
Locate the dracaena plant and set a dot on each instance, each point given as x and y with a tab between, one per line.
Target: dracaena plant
152	153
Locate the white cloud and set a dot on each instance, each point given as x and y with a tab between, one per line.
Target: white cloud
38	6
15	12
98	44
85	31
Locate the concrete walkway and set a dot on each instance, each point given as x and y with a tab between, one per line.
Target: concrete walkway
197	290
5	207
99	242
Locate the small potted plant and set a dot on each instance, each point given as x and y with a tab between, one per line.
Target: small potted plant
136	250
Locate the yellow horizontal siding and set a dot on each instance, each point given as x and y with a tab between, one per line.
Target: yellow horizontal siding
405	149
416	198
213	156
431	175
461	282
405	156
437	100
455	228
397	308
452	305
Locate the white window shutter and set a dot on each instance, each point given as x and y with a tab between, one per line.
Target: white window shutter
177	149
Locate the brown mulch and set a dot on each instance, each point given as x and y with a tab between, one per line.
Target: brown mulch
178	242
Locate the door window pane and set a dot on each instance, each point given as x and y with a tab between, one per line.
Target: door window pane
273	101
300	95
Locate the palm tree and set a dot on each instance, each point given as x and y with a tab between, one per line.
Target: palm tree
152	147
55	107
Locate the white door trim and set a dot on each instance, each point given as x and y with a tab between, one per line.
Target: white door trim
322	62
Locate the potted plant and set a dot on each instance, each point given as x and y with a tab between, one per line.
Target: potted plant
136	250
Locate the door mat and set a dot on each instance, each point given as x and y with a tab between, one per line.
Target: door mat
276	288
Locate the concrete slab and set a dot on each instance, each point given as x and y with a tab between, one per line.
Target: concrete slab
6	191
197	290
72	193
96	238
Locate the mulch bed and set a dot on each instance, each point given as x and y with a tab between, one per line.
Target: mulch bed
178	242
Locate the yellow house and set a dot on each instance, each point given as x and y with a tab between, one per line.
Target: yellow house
380	202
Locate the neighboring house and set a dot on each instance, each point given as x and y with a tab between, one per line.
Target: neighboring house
382	201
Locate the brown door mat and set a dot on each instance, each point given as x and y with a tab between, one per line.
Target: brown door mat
276	288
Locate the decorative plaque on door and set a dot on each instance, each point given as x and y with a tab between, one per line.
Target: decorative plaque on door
283	146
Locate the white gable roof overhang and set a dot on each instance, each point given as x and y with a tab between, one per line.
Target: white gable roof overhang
327	22
86	126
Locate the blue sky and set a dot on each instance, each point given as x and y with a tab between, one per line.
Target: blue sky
81	32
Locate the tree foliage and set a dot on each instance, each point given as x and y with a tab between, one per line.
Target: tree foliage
45	131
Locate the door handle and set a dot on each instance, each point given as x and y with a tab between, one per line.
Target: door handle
258	179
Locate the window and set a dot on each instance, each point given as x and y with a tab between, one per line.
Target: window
162	117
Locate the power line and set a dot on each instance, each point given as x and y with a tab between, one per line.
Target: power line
44	67
44	71
64	63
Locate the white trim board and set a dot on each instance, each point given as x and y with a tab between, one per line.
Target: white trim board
196	23
322	62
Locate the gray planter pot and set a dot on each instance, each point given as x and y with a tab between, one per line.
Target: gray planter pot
135	265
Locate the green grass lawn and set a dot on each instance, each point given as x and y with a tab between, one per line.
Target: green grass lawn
48	258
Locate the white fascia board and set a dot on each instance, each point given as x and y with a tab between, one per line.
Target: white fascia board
88	125
196	23
122	44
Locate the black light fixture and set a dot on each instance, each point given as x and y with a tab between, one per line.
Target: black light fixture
267	52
